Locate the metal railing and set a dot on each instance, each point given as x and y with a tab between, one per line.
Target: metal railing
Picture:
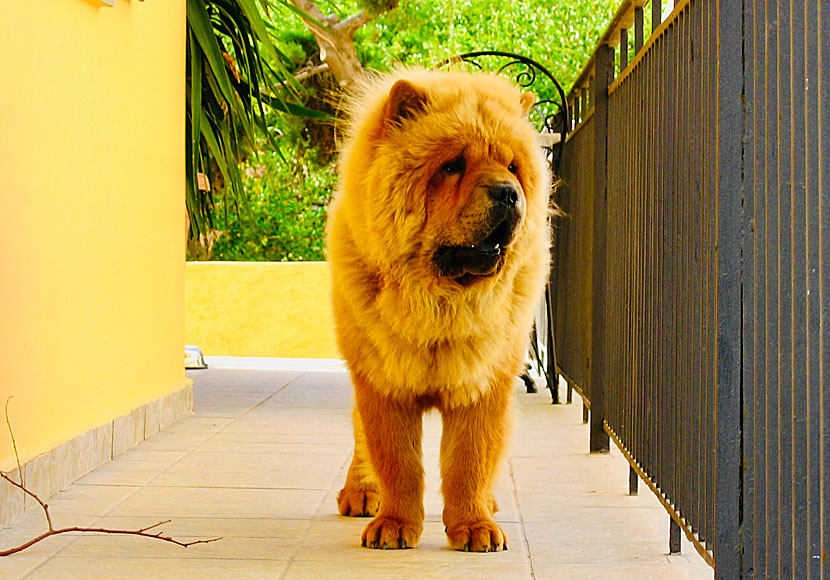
691	299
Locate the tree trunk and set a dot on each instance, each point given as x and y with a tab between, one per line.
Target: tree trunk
336	41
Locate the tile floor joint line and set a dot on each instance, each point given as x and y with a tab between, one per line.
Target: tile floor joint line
35	568
302	538
272	395
344	466
515	489
311	520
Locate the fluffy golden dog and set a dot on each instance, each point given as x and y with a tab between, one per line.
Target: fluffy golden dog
439	251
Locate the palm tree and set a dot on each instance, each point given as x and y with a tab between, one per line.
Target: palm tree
236	72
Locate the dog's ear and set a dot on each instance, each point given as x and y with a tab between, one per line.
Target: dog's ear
405	101
526	101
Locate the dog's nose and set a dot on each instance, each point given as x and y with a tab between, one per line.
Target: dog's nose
504	193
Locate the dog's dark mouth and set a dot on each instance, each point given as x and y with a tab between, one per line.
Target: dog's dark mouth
467	263
492	244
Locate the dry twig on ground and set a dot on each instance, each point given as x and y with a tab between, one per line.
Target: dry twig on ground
52	531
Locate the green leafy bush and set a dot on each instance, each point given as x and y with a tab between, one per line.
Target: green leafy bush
284	219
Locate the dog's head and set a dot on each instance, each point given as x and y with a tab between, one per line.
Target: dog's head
455	178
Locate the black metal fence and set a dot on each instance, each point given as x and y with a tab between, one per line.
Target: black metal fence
691	299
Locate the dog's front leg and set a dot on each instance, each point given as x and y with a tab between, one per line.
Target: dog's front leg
393	431
471	447
360	495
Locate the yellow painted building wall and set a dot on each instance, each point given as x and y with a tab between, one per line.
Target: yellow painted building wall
91	213
269	309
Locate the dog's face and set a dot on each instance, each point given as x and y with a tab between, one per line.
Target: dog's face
478	205
459	167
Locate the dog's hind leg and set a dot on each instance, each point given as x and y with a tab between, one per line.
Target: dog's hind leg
360	495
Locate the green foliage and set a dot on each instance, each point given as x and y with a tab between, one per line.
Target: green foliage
287	200
560	34
286	204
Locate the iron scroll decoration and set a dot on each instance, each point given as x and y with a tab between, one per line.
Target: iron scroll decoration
550	114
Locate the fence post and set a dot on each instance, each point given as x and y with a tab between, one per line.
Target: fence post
553	372
603	76
728	404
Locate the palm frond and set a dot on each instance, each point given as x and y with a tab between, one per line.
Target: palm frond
236	74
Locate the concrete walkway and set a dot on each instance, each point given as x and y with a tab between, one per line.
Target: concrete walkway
260	464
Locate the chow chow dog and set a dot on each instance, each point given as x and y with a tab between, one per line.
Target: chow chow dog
439	251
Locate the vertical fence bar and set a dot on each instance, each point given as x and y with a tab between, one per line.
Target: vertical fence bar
633	482
708	396
604	74
820	157
785	293
550	346
674	537
703	345
623	49
729	198
798	85
817	150
656	14
638	29
689	213
584	94
753	375
769	41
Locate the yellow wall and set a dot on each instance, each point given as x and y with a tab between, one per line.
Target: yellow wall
91	213
276	309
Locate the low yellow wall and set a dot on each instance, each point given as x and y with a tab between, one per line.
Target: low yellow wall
268	309
91	214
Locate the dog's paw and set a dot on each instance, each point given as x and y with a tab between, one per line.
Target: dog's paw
358	503
483	536
386	533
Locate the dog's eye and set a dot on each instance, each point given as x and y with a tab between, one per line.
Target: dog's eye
513	168
454	167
